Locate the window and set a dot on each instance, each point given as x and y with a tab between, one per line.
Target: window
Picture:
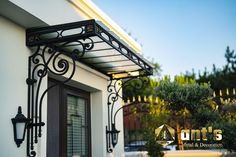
77	127
68	122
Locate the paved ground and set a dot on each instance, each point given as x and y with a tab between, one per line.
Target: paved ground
193	153
185	153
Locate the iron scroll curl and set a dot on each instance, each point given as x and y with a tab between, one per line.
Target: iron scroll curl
53	42
114	89
44	60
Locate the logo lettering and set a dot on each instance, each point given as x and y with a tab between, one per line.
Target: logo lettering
200	135
192	138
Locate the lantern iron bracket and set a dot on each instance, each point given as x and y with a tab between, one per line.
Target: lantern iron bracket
114	89
46	59
56	50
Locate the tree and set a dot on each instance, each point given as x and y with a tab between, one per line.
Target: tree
153	148
228	124
141	86
231	61
156	117
225	117
183	97
221	78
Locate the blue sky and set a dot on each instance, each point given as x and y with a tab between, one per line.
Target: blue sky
178	34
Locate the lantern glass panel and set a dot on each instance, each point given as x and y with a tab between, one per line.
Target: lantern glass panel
20	126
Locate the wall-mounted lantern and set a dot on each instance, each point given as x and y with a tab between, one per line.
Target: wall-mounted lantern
114	90
20	123
75	40
112	136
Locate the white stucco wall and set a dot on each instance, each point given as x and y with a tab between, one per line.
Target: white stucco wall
50	11
119	149
13	69
13	89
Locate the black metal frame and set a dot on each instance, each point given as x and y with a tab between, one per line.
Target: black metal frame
19	118
114	90
50	45
45	59
83	33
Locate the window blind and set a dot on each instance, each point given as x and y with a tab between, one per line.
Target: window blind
77	127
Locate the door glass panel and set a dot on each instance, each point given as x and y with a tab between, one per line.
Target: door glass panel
77	127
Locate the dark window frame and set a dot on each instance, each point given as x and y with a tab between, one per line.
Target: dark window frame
61	92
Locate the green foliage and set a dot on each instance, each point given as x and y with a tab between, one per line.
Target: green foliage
228	110
228	134
153	148
231	60
154	119
156	68
219	78
225	118
228	124
184	80
188	97
180	96
185	99
157	116
143	86
205	117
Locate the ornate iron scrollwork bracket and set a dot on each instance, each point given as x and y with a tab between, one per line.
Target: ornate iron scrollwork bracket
51	42
114	89
47	59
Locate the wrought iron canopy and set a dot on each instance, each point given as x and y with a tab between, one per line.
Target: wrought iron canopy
103	50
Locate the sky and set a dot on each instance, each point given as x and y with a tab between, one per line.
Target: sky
180	35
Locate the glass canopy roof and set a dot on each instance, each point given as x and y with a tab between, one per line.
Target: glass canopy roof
102	50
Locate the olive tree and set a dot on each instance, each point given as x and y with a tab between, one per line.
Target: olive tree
183	98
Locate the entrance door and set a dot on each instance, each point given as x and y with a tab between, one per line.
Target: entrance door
68	126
